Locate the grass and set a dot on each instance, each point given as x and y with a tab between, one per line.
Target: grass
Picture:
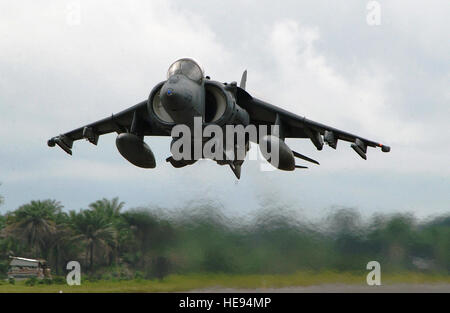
174	283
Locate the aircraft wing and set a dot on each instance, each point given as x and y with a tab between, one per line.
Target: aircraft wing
294	126
131	119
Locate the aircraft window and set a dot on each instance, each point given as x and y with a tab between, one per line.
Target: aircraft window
187	67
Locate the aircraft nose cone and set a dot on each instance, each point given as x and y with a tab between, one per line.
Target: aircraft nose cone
175	98
171	99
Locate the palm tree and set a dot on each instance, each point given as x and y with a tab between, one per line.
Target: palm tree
109	208
34	224
94	230
64	246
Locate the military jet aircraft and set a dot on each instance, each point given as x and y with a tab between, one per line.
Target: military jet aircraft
187	94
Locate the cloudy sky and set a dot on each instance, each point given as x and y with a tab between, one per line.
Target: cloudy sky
66	63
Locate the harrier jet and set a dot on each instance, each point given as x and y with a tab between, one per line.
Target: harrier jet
188	95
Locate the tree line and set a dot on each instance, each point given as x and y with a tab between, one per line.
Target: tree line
111	242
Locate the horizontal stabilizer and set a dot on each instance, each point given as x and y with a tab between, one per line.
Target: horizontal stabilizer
304	157
300	166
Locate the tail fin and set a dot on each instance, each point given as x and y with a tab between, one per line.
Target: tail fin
243	80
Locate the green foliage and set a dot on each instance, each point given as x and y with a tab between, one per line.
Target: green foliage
4	264
161	267
31	281
148	244
2	222
58	280
34	225
11	281
95	230
110	209
47	281
138	275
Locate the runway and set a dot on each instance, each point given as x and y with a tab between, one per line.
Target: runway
333	288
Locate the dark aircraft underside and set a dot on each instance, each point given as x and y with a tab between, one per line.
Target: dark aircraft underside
188	96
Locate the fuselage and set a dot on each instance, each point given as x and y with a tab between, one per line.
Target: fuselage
187	97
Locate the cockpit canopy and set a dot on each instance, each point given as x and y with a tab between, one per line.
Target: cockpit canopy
188	68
